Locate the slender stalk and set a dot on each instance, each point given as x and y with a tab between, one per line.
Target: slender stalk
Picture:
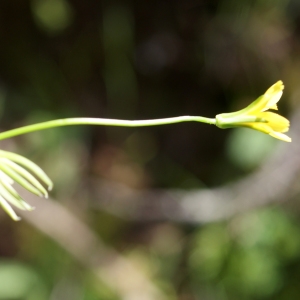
104	122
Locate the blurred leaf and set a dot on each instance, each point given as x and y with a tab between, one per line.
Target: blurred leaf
20	282
247	148
52	15
253	273
209	252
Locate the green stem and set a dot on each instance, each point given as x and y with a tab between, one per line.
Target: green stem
105	122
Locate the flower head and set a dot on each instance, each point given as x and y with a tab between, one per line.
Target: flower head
257	117
16	168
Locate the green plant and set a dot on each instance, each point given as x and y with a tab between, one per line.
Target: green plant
15	168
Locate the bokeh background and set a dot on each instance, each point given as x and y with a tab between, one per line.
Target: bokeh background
185	211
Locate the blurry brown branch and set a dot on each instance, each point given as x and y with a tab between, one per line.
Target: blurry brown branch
77	238
271	183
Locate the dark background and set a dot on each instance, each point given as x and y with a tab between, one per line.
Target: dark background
147	60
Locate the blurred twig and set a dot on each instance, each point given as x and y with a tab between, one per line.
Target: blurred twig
81	242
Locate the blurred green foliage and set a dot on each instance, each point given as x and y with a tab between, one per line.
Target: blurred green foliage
248	258
20	282
52	16
258	148
140	60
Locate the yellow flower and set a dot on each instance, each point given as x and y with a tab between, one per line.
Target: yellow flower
257	117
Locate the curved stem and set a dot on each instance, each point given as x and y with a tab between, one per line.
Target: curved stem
105	122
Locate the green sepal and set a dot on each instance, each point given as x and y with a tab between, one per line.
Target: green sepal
231	120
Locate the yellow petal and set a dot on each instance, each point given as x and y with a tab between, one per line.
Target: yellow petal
273	95
274	106
268	100
263	127
275	121
280	136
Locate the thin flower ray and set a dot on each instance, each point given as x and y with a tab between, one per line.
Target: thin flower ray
5	178
28	164
25	174
12	170
8	209
19	179
14	198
